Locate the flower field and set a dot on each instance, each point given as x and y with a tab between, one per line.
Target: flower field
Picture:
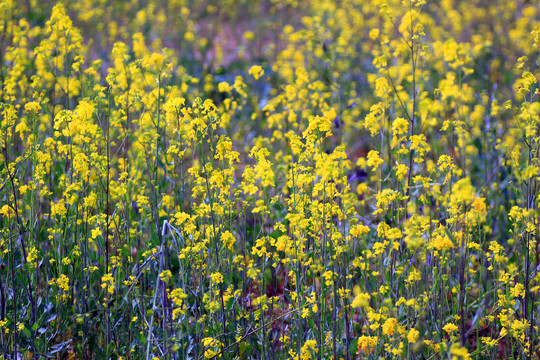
269	179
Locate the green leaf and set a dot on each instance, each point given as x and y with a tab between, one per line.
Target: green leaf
26	332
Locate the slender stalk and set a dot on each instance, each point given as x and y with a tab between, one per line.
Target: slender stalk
107	211
21	240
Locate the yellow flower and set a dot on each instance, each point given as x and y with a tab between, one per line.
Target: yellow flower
389	326
412	336
224	87
165	276
178	297
374	34
95	233
256	71
366	344
307	348
7	211
156	60
228	240
32	107
459	352
32	256
374	160
217	278
107	282
63	282
450	328
359	230
401	171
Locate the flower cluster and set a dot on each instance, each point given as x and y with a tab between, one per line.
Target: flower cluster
312	179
